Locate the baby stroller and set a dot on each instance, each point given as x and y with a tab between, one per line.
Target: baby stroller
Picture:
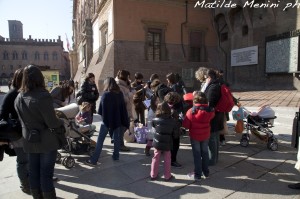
79	142
257	124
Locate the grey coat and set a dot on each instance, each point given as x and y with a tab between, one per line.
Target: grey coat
36	111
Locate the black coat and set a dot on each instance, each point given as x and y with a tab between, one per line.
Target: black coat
35	111
164	132
7	107
89	92
213	94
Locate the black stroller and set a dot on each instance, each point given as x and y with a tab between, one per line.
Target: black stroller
79	139
258	125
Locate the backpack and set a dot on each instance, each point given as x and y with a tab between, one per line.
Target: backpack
225	103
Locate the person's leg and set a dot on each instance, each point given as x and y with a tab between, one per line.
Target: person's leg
101	137
22	169
196	149
47	163
176	143
117	133
205	157
213	148
34	171
155	163
167	165
122	144
142	116
148	147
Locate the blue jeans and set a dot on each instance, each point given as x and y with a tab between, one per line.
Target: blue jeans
101	137
22	164
213	145
201	159
41	170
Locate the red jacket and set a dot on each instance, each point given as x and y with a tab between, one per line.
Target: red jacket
199	122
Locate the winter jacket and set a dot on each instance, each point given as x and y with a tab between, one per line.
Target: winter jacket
58	99
164	131
7	107
89	92
139	96
128	97
113	110
35	113
213	94
198	121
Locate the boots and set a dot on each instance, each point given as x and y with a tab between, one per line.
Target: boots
147	151
36	193
25	187
49	195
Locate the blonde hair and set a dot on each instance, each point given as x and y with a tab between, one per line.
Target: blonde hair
84	106
201	74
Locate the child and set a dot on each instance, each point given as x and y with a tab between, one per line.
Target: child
84	118
197	120
164	130
174	101
151	115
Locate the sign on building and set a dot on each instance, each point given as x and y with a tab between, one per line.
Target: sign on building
244	56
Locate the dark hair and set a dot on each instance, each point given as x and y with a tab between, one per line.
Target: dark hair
172	78
138	75
65	89
163	109
172	98
212	74
17	78
200	98
111	85
32	79
153	77
89	75
123	75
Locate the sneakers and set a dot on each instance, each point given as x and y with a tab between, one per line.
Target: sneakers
170	178
124	148
192	176
223	143
89	162
153	178
176	165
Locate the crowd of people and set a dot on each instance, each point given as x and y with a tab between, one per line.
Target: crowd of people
171	112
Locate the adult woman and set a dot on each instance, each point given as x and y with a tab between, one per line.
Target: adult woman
89	91
212	90
123	82
114	115
62	93
37	118
8	111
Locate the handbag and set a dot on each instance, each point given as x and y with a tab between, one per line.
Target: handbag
10	129
60	133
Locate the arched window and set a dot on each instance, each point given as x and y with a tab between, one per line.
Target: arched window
46	57
37	56
24	55
54	56
5	55
15	55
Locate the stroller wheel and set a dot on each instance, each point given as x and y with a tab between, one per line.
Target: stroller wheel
272	144
70	162
64	161
58	157
91	150
244	142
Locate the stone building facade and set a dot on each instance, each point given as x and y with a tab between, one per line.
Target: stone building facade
158	36
17	52
162	36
